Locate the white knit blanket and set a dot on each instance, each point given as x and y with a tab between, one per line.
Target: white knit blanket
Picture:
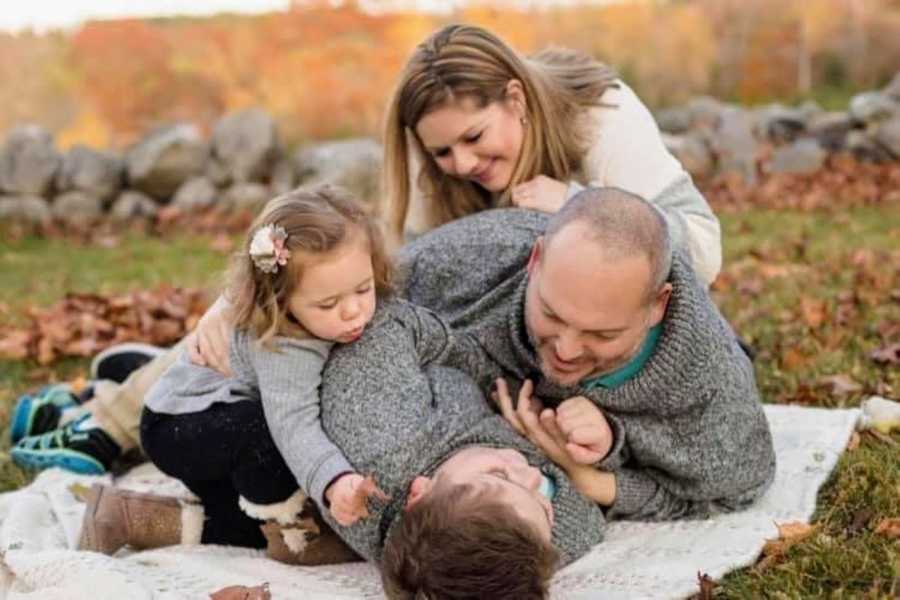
637	560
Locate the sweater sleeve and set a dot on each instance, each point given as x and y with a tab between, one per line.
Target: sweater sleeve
628	152
288	381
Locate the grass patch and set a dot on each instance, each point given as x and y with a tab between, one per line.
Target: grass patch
814	293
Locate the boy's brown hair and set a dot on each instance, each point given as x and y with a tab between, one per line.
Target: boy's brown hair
458	543
317	219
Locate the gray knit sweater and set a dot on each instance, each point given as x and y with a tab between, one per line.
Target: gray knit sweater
285	379
691	438
397	413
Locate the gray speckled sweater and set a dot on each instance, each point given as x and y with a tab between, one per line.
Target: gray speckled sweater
287	384
691	438
397	413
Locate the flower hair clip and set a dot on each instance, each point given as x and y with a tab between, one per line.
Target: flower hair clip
267	249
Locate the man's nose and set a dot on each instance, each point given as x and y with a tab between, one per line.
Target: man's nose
568	346
529	477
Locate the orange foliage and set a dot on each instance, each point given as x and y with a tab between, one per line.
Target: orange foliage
326	71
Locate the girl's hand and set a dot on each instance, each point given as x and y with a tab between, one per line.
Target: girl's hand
541	193
348	495
589	437
209	343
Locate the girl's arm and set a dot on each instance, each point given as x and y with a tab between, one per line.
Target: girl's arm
288	382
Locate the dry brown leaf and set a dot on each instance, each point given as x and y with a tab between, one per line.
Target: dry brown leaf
840	385
222	243
813	311
792	359
889	528
14	345
707	585
853	443
888	355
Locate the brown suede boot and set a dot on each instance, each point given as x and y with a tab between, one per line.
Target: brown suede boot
115	518
309	541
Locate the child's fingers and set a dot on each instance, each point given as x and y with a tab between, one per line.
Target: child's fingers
506	407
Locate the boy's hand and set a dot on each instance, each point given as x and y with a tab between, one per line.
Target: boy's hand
589	437
347	497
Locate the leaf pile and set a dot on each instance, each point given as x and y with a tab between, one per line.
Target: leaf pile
84	324
842	182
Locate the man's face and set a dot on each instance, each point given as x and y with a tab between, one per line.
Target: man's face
587	314
502	474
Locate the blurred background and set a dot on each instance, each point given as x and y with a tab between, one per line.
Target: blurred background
323	68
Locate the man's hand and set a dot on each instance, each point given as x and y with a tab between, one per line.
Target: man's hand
533	421
347	497
541	193
588	435
209	343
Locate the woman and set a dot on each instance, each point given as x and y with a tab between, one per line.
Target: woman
473	125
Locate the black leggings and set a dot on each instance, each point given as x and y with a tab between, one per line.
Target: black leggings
221	453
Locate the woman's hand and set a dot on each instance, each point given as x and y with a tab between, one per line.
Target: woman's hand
209	343
541	193
347	497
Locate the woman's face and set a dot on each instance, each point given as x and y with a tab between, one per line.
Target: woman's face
479	144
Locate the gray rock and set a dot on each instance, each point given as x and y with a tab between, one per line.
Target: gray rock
802	157
871	107
28	161
77	208
864	147
246	144
810	110
87	170
893	88
353	164
705	111
31	210
674	120
283	178
888	136
734	144
194	194
780	123
217	173
165	159
693	153
132	204
831	129
246	196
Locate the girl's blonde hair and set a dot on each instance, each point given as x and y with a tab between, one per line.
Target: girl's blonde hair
316	220
465	61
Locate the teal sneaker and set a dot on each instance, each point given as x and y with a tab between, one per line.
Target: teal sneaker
76	447
40	411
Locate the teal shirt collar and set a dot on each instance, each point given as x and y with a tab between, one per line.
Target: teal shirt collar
631	368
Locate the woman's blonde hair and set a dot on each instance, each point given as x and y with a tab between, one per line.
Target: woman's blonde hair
316	220
465	61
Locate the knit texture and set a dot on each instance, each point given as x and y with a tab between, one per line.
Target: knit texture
286	381
397	413
690	435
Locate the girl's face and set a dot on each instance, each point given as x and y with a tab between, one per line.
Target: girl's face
335	298
474	143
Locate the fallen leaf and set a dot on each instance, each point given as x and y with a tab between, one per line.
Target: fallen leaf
853	444
15	345
222	243
813	311
888	355
860	520
707	585
789	534
792	359
889	528
840	385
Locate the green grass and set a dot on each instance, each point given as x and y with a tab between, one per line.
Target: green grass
773	261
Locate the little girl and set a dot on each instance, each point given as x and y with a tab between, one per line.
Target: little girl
307	278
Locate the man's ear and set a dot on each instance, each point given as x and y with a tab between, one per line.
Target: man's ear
660	303
421	486
535	256
515	97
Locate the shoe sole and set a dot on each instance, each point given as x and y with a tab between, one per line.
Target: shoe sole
135	347
65	459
